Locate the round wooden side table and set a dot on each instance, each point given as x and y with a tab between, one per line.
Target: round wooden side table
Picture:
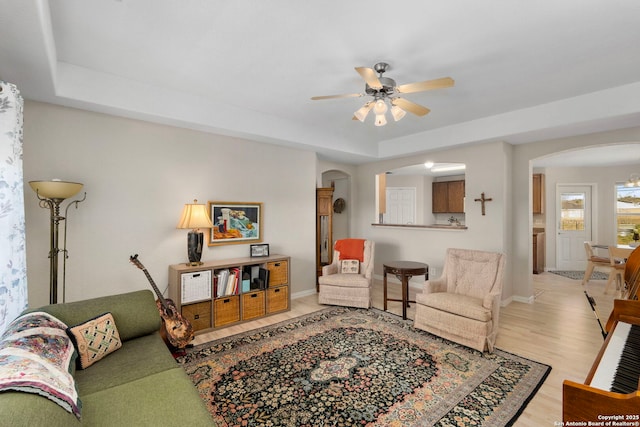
404	271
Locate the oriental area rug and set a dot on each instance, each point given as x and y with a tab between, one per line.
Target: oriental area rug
346	367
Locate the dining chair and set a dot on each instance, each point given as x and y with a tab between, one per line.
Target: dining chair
593	262
617	261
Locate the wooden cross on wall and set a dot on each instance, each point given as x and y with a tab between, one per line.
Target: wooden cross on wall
482	200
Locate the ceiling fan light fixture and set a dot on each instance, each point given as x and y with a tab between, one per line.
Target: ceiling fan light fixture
381	120
384	89
397	112
363	111
380	107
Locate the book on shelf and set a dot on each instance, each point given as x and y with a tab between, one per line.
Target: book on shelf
264	278
223	279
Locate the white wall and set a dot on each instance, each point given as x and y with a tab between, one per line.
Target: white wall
487	171
138	176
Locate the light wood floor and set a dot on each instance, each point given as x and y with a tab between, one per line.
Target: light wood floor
558	328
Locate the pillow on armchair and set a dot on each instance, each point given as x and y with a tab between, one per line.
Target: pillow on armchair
350	266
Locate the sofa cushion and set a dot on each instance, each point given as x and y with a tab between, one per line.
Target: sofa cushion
136	359
344	280
349	266
37	356
461	305
474	277
94	339
167	398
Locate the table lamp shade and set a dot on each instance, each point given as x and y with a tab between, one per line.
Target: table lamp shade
194	216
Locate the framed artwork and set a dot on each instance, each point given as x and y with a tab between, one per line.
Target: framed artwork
260	249
235	222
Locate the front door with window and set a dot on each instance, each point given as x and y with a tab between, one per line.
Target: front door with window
573	226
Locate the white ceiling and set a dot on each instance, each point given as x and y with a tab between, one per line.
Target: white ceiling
524	70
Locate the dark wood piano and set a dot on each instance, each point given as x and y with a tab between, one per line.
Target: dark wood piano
612	387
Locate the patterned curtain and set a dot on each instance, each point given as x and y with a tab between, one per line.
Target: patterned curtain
13	261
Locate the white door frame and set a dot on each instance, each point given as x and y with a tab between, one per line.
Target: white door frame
570	253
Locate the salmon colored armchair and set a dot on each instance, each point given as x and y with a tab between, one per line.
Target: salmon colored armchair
463	304
347	280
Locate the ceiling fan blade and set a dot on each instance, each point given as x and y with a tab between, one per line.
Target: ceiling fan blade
411	107
370	77
426	85
350	95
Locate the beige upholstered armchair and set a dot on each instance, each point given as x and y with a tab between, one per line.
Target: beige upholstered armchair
347	280
463	305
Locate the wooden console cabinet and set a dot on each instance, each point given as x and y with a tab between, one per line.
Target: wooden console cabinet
197	292
324	229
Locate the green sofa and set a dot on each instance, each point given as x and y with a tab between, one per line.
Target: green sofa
139	384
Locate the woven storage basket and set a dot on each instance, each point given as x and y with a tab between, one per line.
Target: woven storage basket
277	299
226	310
278	273
253	305
199	315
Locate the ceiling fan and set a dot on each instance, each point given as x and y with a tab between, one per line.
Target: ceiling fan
384	90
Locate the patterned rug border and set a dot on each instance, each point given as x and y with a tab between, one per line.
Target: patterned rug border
225	344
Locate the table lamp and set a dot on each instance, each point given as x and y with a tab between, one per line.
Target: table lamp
194	216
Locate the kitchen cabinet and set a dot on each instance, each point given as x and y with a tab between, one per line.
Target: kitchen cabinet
448	197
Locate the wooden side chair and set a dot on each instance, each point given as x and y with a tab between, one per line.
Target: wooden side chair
617	261
594	262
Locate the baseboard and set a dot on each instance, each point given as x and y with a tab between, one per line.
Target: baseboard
305	293
506	302
526	300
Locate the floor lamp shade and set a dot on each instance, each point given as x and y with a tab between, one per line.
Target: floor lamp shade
56	189
195	216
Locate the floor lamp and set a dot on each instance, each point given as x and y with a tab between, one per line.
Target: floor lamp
51	194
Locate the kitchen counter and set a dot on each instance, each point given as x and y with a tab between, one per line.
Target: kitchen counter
431	226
